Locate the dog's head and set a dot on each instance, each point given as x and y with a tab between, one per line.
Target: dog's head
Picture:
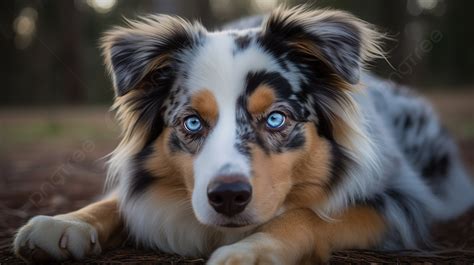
240	123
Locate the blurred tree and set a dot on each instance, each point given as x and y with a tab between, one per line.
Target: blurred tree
71	50
50	51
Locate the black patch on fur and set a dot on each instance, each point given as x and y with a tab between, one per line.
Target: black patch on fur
421	123
322	91
410	210
141	178
242	42
245	132
320	87
377	202
129	60
274	79
176	145
296	141
411	207
148	103
428	154
262	143
341	49
400	199
340	162
324	125
243	148
437	167
408	122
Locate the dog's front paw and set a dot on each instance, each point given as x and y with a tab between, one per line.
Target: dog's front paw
261	252
46	238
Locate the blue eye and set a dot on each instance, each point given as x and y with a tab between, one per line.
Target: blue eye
192	124
275	120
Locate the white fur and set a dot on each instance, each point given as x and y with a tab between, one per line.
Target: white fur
172	227
58	236
258	248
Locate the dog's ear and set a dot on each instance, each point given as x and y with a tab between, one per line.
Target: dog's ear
338	39
143	46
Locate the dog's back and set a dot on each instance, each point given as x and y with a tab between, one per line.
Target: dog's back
424	143
424	179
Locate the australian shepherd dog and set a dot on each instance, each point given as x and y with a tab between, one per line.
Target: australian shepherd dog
265	142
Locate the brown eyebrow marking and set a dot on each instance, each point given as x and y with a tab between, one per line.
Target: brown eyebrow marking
205	104
261	99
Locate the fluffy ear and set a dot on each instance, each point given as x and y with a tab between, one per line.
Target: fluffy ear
143	46
338	39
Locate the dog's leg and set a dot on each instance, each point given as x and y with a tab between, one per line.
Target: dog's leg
70	236
301	236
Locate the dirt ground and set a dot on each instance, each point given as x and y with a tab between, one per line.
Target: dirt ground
51	161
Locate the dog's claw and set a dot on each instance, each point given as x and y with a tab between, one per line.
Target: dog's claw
63	241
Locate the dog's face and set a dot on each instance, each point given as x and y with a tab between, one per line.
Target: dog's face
240	123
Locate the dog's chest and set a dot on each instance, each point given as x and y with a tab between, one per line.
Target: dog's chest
172	228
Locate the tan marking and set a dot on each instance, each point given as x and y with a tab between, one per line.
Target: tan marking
271	181
311	173
294	178
305	236
301	237
105	218
205	103
369	226
261	99
175	170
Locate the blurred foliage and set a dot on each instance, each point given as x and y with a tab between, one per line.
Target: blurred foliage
49	126
50	53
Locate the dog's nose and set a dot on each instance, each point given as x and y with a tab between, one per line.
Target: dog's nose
229	195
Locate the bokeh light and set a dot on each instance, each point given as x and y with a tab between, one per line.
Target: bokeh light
427	4
264	5
102	6
24	27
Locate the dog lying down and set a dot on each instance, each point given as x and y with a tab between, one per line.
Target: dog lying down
263	143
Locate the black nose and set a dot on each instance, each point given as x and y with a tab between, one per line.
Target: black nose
229	195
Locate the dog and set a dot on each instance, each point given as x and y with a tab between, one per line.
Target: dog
266	142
